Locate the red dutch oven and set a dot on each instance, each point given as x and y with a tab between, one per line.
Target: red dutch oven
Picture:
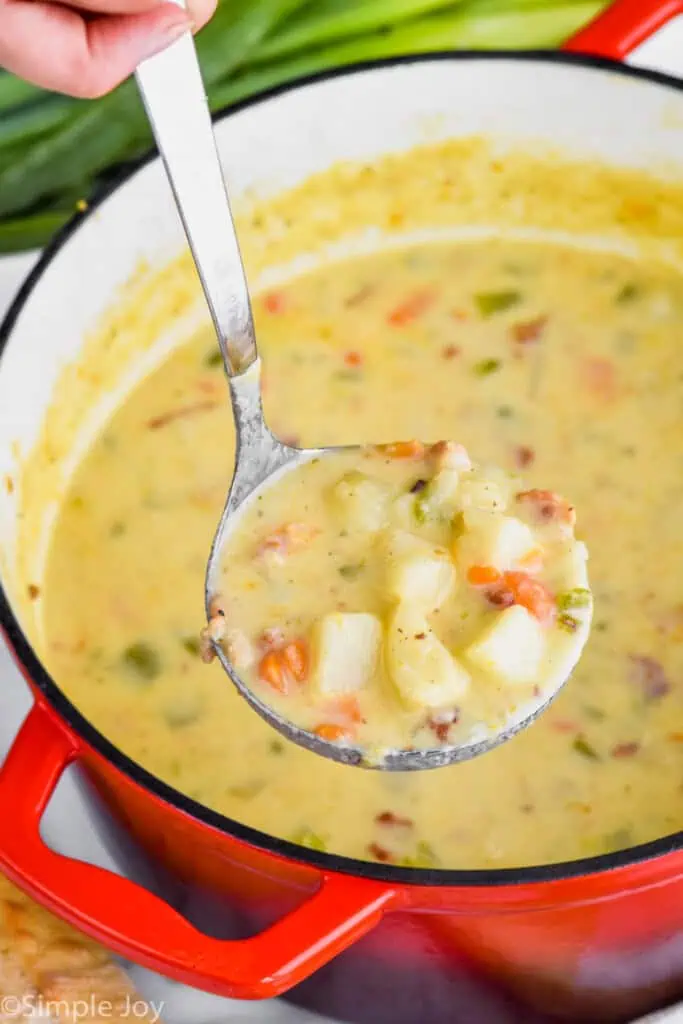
599	939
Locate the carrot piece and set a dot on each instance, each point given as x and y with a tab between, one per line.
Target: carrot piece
288	538
410	309
353	358
331	732
482	575
402	449
270	670
532	595
295	659
275	302
346	707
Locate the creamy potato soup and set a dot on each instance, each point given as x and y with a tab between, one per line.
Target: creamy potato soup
560	363
401	597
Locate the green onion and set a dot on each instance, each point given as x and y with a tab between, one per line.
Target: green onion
490	303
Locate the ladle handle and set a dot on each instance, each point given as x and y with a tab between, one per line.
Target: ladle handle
172	91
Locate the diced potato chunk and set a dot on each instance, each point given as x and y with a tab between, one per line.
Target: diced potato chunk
423	671
483	494
494	540
345	650
442	490
417	571
511	649
360	502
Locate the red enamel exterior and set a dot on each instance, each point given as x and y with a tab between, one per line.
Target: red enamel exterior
601	945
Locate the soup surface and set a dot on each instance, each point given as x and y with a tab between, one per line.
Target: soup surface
574	380
400	596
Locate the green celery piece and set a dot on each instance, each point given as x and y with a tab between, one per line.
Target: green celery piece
328	21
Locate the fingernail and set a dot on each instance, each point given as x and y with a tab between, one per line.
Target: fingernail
165	35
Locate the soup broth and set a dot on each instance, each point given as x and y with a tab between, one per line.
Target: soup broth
551	360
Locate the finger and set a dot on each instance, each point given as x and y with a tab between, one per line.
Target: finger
201	11
84	58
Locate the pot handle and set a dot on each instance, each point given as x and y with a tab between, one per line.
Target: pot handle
137	924
623	26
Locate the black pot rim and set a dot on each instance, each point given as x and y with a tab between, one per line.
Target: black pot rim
93	738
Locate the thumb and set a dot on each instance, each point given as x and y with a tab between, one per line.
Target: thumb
116	44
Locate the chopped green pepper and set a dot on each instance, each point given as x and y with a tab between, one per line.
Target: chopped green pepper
142	660
191	645
350	572
628	293
485	367
424	857
490	303
311	840
579	597
568	623
583	747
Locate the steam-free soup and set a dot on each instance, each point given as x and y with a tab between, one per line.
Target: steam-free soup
564	364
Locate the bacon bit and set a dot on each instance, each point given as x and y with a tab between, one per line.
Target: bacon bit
564	725
181	413
9	485
275	302
411	309
440	730
482	575
389	818
461	315
353	358
441	721
500	596
524	456
287	539
332	732
649	675
450	351
380	854
522	589
402	449
599	378
360	296
548	505
33	592
450	455
529	331
625	749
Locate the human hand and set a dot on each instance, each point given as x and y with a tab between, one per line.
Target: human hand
86	47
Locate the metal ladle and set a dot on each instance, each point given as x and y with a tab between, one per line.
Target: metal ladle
173	94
